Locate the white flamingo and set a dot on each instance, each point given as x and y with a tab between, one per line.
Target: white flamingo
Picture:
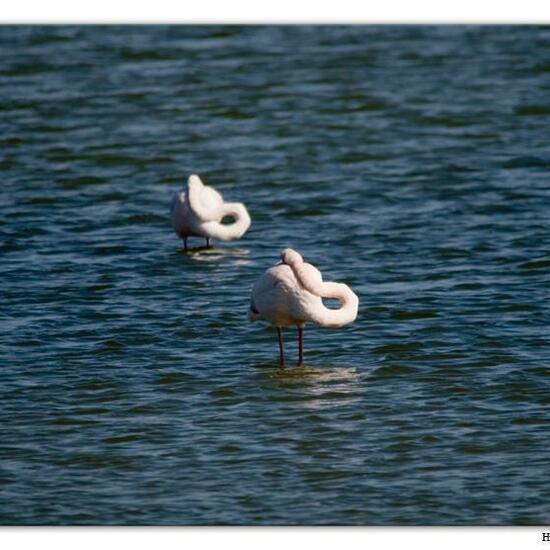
290	294
199	209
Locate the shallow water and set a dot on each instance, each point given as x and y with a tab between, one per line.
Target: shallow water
411	163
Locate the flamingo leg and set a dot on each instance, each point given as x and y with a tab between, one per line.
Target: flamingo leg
185	244
281	348
300	346
208	242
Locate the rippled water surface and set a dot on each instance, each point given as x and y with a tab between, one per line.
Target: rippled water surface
411	163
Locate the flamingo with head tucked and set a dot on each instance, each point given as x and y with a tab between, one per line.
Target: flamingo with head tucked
291	294
199	210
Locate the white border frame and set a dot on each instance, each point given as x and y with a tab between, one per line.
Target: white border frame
281	11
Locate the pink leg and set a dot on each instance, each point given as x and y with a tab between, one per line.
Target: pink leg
207	242
185	243
281	350
300	346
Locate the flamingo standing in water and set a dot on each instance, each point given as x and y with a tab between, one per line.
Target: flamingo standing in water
199	210
290	294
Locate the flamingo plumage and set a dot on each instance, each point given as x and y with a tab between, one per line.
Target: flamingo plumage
291	294
198	210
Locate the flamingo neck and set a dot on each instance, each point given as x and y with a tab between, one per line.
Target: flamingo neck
324	316
234	230
349	304
204	212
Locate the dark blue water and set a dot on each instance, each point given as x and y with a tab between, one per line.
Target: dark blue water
412	163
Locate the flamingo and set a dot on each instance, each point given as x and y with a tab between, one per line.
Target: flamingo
199	209
290	294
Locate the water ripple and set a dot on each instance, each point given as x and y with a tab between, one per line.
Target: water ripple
410	162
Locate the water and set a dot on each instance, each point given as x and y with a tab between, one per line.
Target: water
408	162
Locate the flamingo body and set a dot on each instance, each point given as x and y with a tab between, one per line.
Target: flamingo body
279	299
